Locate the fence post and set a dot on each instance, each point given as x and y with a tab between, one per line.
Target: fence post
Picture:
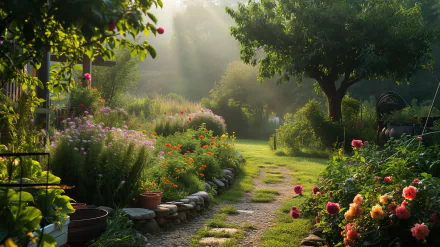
275	141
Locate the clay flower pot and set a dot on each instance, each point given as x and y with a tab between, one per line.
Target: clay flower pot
77	206
150	200
85	225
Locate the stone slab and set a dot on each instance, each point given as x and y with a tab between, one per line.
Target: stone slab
219	183
246	211
212	241
139	213
230	231
193	198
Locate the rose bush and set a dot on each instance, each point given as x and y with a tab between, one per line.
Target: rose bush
378	197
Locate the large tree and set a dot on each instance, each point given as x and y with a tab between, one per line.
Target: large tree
336	42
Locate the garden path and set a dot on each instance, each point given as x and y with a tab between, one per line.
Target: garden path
263	214
257	216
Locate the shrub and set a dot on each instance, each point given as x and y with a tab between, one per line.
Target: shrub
388	190
82	100
105	164
111	117
170	123
144	109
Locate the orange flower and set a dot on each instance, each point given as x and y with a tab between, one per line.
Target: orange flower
191	160
212	137
205	130
144	131
210	153
201	174
201	137
358	199
205	147
163	178
154	133
169	153
384	199
146	189
377	212
179	145
212	143
167	145
354	211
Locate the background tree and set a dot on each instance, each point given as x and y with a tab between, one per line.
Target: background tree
338	43
113	82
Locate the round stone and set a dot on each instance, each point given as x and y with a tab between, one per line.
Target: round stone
193	198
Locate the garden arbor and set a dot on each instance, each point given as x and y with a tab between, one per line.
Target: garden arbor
338	43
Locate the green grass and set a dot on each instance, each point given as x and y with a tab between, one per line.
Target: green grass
262	197
273	179
267	191
268	170
286	232
229	210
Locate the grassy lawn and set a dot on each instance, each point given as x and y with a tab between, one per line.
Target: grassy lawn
264	195
286	232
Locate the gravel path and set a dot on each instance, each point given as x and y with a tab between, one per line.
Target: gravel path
264	214
260	215
180	235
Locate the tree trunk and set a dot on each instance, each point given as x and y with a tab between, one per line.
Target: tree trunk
334	106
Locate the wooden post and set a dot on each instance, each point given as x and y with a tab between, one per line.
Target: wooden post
44	76
87	68
275	141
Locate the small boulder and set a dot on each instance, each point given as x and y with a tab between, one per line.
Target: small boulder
139	213
203	195
207	186
161	212
172	208
213	185
313	240
149	226
195	199
186	201
219	183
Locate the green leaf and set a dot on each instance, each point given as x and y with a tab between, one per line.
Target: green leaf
426	175
48	241
151	50
29	218
152	17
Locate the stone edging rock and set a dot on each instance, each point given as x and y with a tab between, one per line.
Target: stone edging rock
176	212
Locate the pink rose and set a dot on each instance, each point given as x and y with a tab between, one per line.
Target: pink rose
298	189
388	179
87	77
315	190
402	213
294	212
357	144
420	231
332	208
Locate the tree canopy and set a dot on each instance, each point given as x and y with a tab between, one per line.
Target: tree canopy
338	43
72	29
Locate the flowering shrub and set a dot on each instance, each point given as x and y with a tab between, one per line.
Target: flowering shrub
111	117
171	123
380	197
187	159
105	164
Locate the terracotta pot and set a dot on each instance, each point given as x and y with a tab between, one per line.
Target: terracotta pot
150	200
86	225
79	205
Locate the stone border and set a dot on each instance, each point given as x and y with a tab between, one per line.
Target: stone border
183	210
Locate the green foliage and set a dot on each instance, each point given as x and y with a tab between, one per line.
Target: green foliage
21	211
84	99
375	175
299	41
72	29
120	232
114	82
229	209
